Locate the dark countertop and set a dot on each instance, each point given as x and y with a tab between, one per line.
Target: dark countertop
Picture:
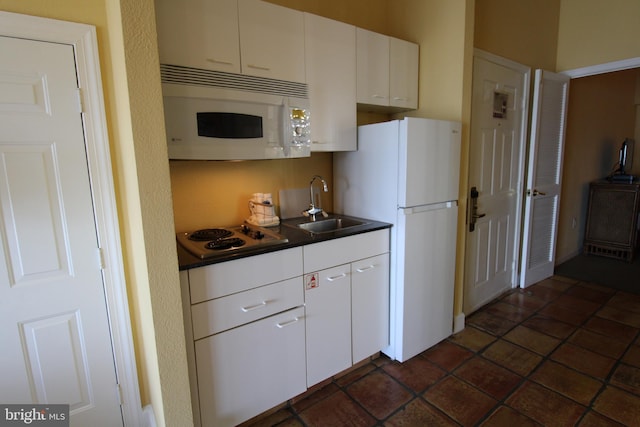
295	235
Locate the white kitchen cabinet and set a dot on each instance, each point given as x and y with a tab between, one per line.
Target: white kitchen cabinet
262	329
347	302
387	71
271	41
328	322
237	36
245	371
373	68
330	56
199	34
245	331
369	306
403	73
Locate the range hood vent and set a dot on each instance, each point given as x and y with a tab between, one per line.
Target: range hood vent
177	74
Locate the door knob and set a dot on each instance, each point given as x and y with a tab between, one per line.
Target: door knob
536	193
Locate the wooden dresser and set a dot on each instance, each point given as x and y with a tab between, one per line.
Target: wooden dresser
612	220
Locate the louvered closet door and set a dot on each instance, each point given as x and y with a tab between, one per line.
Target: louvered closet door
544	176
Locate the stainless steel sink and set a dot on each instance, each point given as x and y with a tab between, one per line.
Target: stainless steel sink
325	225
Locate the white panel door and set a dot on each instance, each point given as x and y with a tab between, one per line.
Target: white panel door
54	326
544	176
495	167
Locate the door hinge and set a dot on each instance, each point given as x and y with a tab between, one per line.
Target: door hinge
101	259
79	99
119	394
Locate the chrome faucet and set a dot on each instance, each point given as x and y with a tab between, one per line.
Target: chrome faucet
313	209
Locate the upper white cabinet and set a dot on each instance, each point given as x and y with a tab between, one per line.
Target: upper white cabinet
373	67
199	34
387	71
330	55
238	36
271	41
403	73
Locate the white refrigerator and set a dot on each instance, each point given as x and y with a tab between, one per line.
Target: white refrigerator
406	172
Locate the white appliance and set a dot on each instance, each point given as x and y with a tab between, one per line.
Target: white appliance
210	115
406	172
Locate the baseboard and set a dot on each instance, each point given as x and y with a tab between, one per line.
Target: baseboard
148	417
458	323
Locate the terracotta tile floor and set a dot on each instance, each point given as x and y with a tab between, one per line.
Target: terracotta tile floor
559	353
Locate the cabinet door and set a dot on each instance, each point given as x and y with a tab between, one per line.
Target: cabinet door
403	73
328	322
369	306
271	41
330	56
373	67
199	33
245	371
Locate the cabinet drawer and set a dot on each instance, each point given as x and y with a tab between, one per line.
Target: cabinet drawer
220	314
319	256
225	278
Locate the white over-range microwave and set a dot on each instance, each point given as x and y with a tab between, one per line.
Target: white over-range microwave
211	115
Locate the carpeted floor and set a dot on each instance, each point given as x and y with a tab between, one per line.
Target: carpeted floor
609	272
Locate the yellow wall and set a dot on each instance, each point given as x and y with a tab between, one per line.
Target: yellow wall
595	32
207	194
525	31
148	194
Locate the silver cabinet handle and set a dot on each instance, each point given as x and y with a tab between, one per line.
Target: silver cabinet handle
254	307
216	61
258	67
338	277
287	323
363	269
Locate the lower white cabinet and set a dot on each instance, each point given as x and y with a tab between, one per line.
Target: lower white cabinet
369	306
261	330
328	322
245	371
347	305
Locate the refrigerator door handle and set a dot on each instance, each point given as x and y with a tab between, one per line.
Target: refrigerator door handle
473	209
432	207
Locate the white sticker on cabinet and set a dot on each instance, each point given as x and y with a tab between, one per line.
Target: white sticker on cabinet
311	281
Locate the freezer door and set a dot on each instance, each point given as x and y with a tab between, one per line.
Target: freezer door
429	161
424	279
